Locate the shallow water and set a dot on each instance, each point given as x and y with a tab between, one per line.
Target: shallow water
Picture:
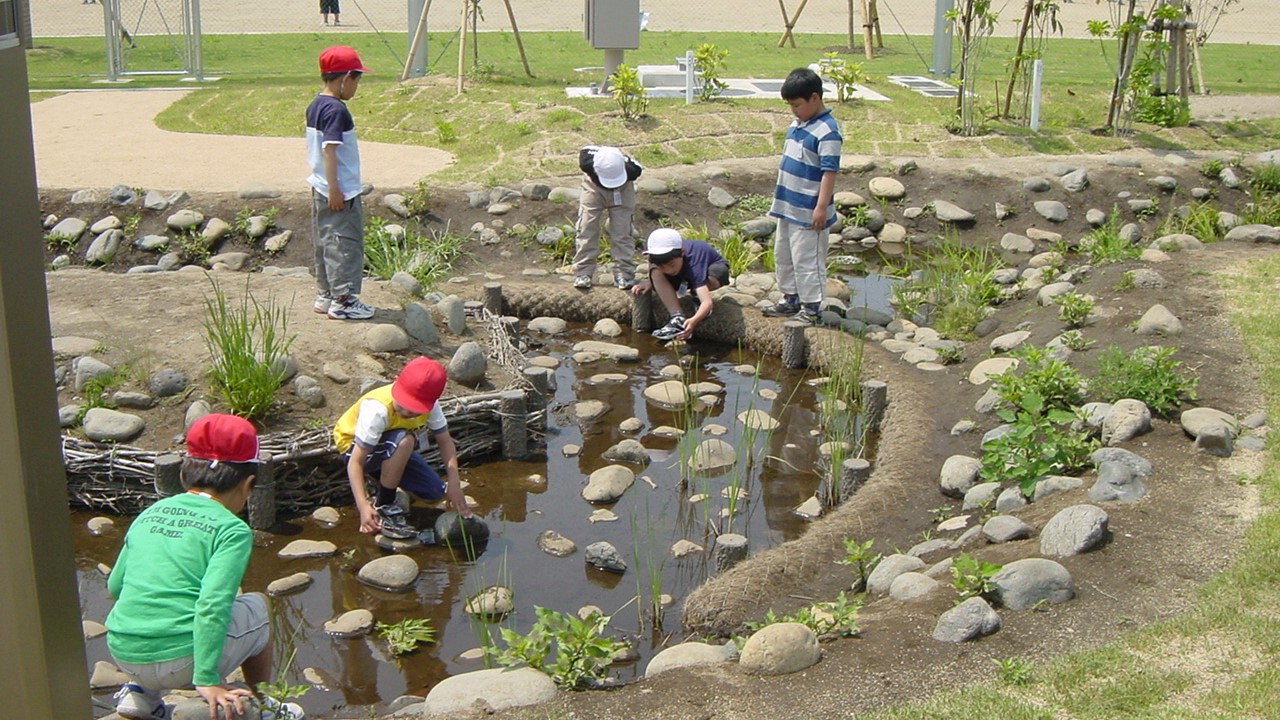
361	672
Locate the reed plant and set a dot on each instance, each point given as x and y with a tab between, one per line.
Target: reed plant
649	559
738	252
952	288
428	258
248	344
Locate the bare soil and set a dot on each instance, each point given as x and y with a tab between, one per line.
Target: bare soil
1160	550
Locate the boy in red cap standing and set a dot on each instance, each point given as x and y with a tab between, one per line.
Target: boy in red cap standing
608	186
177	620
379	436
337	213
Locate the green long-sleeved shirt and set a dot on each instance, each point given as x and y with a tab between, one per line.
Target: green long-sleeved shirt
174	583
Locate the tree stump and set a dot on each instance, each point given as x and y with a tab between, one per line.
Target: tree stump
515	425
493	297
794	345
731	549
875	400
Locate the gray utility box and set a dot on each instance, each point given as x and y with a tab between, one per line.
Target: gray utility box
612	24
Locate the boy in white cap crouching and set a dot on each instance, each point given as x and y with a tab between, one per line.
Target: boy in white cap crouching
608	186
674	261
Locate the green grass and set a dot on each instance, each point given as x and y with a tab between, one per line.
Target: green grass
509	125
1231	636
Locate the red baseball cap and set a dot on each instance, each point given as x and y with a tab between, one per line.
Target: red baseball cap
419	385
223	438
341	58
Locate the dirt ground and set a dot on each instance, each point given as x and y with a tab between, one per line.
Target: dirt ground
1160	550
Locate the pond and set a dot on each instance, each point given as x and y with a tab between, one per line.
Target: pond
651	516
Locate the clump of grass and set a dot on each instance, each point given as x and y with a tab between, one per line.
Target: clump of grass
1074	309
59	242
737	251
1199	219
1263	209
1213	167
1149	374
247	343
1105	244
1266	179
1013	671
428	258
954	288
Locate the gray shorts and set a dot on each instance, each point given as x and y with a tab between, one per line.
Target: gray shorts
248	632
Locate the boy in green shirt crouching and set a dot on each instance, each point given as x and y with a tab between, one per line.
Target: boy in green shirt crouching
178	621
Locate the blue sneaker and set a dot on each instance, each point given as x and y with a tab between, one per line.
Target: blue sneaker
138	703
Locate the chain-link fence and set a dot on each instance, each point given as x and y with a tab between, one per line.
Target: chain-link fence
1248	21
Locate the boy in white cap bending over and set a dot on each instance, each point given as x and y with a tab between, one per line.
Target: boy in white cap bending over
608	186
674	261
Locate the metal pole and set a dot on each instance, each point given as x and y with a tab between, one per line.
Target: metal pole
111	38
941	38
612	59
197	42
416	65
1037	75
688	77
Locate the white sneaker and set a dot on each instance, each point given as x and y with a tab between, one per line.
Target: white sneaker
138	703
322	303
349	307
582	281
272	709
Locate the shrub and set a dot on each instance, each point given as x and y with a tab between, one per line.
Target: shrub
628	92
709	63
1149	374
247	344
1040	442
573	651
1074	309
1056	383
844	75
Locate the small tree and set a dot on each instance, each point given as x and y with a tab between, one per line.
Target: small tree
629	92
974	22
709	63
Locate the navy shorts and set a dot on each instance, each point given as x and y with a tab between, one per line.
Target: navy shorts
419	479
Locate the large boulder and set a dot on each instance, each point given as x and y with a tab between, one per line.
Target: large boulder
490	690
1023	584
779	649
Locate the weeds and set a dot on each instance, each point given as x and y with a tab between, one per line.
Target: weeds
446	132
130	225
1212	168
737	251
59	242
429	259
1266	179
418	200
573	651
1013	671
405	636
1199	219
845	75
629	93
838	617
1149	374
860	559
1263	209
1056	383
1074	309
1041	442
1105	244
193	247
247	345
955	286
972	577
1126	281
1075	340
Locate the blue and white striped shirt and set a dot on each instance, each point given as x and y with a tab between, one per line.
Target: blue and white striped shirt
811	149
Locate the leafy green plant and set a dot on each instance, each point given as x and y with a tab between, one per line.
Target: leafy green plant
1075	340
972	577
1074	308
445	131
1013	671
1198	219
96	393
1266	179
248	344
838	617
1149	374
629	92
709	62
192	246
1213	167
130	225
950	354
561	252
846	76
573	651
1150	210
405	636
954	287
1104	244
59	242
1126	281
1041	441
418	200
860	559
1056	383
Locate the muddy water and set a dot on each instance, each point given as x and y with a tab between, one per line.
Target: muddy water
360	672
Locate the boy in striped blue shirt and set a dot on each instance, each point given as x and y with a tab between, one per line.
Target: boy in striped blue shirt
802	198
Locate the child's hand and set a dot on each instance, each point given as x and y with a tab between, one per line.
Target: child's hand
337	202
227	699
689	325
819	219
369	520
641	288
457	500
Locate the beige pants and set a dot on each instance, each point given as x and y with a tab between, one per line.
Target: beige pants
620	205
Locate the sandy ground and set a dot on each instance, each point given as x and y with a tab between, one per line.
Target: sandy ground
1254	21
72	151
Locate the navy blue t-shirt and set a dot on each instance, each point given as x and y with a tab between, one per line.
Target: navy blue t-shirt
698	256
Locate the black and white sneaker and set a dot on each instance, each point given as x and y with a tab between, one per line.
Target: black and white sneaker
395	522
808	316
668	332
784	308
135	702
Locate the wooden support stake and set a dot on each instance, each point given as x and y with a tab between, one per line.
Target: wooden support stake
262	498
462	42
493	297
866	29
794	345
642	312
516	32
786	35
515	425
168	474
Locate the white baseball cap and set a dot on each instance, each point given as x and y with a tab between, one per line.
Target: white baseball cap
610	167
663	241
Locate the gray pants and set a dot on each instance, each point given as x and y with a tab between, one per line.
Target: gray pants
800	261
338	241
620	205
